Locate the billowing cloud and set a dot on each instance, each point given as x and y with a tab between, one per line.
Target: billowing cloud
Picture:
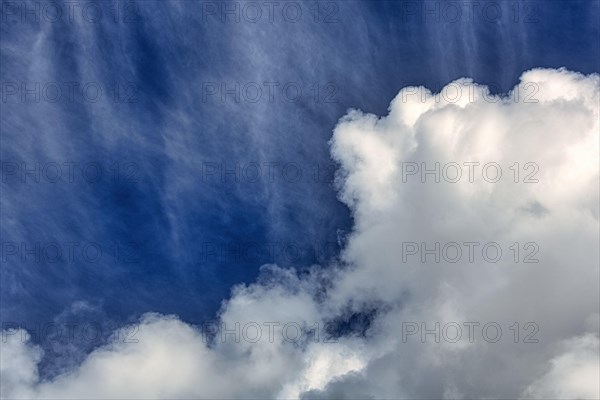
543	220
573	374
472	269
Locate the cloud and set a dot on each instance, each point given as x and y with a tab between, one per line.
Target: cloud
168	358
548	125
573	374
473	255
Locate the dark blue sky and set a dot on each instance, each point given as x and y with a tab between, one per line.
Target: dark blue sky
186	229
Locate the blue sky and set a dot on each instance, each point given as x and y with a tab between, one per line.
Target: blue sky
172	144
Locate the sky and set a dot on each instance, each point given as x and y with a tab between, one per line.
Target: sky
370	175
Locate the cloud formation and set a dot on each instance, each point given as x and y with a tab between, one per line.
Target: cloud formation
472	269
